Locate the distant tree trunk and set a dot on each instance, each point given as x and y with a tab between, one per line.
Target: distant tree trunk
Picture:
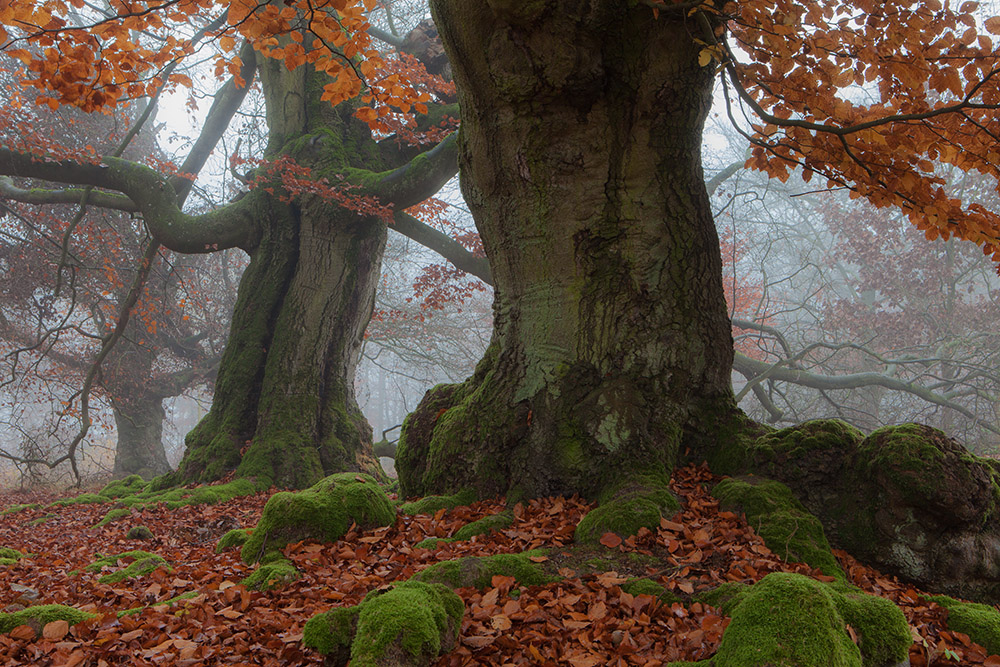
139	451
580	160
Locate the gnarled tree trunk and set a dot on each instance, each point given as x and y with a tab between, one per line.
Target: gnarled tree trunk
580	159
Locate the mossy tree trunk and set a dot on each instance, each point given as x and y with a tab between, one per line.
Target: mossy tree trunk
139	449
580	159
284	410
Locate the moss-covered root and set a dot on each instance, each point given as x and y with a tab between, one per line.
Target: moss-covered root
38	617
487	524
979	621
627	507
432	504
644	586
112	515
478	572
322	512
408	625
237	537
784	524
9	556
789	620
271	575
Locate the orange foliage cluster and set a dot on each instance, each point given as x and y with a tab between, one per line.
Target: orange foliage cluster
871	94
584	620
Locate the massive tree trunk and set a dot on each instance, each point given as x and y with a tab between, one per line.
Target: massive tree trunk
284	410
580	159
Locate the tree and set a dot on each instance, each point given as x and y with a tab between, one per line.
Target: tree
344	157
581	162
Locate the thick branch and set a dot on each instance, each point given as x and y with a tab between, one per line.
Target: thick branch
444	245
39	196
227	227
418	179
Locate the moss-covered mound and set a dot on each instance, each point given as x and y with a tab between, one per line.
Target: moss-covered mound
638	502
322	512
478	572
789	620
237	537
112	515
271	575
38	617
980	622
784	524
487	524
411	623
13	509
139	533
119	488
142	563
432	504
644	586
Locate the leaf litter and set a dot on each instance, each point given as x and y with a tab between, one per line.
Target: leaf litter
584	620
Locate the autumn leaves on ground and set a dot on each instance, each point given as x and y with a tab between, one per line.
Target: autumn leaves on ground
192	609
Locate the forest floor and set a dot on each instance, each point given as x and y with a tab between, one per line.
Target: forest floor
585	620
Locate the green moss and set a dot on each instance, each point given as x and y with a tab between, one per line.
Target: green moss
487	524
625	516
430	543
780	519
82	499
111	516
421	619
11	554
331	633
143	562
13	509
432	504
792	442
789	620
124	487
979	621
42	519
201	495
479	572
139	533
644	586
322	512
271	575
38	617
237	537
721	596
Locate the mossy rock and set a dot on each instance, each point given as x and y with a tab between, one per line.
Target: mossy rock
487	524
478	572
322	512
139	533
818	435
38	617
412	623
143	562
432	504
237	537
789	620
128	486
271	575
112	515
625	510
645	586
780	519
979	621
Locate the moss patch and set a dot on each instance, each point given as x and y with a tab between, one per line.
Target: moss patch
322	512
10	554
410	623
644	586
82	499
38	617
795	621
143	562
479	572
271	575
780	519
979	621
139	533
432	504
128	486
13	509
111	516
487	524
626	513
794	441
169	603
237	537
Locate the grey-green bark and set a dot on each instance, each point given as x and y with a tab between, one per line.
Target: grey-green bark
580	158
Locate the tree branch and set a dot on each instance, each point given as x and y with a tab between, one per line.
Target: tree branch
444	245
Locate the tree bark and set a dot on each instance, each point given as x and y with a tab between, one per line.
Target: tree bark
139	450
580	160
